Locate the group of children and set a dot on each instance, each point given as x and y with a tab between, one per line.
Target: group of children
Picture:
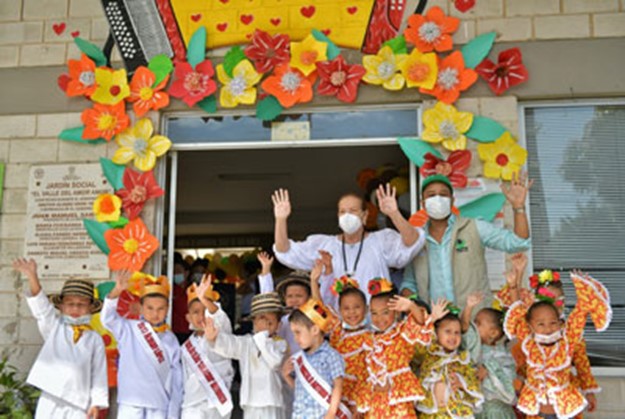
380	356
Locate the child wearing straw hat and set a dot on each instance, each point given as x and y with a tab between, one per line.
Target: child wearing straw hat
260	356
150	373
70	369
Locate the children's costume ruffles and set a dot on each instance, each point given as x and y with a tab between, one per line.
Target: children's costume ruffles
352	347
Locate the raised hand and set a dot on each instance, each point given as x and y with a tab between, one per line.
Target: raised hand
519	264
400	304
266	260
516	192
210	330
439	309
474	299
386	199
316	271
281	204
27	267
326	259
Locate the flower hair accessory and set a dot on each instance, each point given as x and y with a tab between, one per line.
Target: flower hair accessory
544	278
544	294
453	309
342	283
379	286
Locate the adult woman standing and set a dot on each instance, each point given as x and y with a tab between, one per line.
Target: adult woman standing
355	252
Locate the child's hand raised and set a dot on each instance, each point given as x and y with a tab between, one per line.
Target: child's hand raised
519	265
400	304
210	330
439	309
27	267
281	204
316	271
474	299
326	259
266	260
121	283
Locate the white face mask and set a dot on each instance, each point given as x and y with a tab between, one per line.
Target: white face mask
77	321
360	325
548	339
350	223
438	207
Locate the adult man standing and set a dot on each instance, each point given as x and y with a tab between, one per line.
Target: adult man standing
452	263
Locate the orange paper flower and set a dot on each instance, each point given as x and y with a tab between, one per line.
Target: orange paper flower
130	247
432	31
82	77
143	95
289	86
452	79
104	121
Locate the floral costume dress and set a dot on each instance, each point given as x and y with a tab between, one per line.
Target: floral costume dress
388	367
549	366
352	345
438	366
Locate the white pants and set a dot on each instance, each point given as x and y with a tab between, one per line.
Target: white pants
50	407
263	413
202	411
125	411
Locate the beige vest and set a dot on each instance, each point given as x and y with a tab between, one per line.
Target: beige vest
468	266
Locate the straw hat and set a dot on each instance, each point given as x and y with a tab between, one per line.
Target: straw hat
79	288
296	277
268	302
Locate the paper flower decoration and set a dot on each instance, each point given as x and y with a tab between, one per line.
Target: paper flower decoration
266	51
337	78
503	158
509	71
129	305
305	54
144	95
431	32
107	207
289	86
240	88
138	189
103	121
138	144
193	84
443	123
81	77
383	69
453	167
379	285
452	78
112	86
130	246
545	278
420	70
341	284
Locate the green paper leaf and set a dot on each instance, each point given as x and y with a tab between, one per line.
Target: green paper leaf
113	172
477	49
485	207
268	109
196	50
120	223
96	231
75	135
233	57
397	44
161	66
208	104
104	288
91	51
485	130
333	51
416	150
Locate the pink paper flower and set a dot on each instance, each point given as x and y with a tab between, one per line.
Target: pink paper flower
337	78
138	188
266	51
193	84
509	71
454	167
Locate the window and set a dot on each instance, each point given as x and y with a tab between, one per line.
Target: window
576	156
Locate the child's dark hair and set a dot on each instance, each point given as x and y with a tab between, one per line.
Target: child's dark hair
297	316
154	294
420	303
496	317
446	318
352	291
540	304
298	284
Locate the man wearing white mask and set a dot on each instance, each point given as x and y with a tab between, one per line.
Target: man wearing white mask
452	264
355	252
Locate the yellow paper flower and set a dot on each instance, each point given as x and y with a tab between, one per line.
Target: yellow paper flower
240	88
112	86
305	54
443	123
107	207
502	158
420	70
383	69
137	143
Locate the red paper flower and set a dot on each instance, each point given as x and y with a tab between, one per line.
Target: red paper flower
374	287
337	78
138	188
432	31
464	5
508	72
193	84
454	167
453	78
289	85
266	51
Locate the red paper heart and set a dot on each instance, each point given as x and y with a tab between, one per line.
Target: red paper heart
247	19
58	28
248	35
352	10
75	34
326	32
464	5
196	17
222	26
275	21
224	1
307	11
62	81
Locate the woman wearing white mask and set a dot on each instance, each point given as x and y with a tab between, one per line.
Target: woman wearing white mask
355	252
452	265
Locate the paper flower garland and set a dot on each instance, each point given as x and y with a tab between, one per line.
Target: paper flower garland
443	123
337	78
503	158
104	121
382	69
238	89
112	86
508	72
453	78
420	70
107	207
137	144
144	95
130	246
82	77
267	52
193	84
453	167
432	31
138	189
289	86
